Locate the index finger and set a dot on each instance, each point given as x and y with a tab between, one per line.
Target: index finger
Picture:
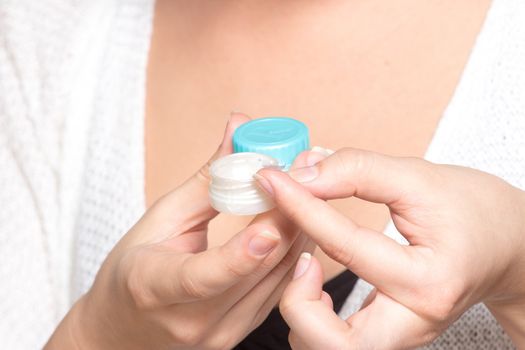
370	254
366	175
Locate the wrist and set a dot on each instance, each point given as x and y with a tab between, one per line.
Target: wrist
511	316
66	335
79	330
508	306
92	326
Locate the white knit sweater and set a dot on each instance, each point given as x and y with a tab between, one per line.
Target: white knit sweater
72	87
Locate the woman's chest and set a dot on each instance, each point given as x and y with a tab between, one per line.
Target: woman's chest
356	76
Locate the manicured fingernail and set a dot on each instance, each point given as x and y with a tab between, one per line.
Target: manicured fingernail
265	184
263	243
302	265
305	174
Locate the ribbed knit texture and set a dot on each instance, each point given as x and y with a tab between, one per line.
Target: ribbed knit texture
72	89
72	81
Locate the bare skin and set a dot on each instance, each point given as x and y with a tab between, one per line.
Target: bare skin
375	75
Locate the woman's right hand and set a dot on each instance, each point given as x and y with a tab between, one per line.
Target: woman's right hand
466	235
160	287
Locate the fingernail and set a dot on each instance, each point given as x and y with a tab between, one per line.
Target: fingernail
302	265
317	154
265	184
263	243
324	151
305	174
234	112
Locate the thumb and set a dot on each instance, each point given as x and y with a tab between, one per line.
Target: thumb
307	309
188	205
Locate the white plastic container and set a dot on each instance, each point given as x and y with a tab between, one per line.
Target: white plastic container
233	188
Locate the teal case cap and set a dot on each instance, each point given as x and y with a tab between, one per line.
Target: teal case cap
278	137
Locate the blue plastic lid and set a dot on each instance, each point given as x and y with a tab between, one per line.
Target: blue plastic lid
278	137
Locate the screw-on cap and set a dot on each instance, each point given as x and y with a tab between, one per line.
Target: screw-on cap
278	137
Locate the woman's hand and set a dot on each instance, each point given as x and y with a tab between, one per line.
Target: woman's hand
160	288
466	234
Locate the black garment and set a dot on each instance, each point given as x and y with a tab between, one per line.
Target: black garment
272	334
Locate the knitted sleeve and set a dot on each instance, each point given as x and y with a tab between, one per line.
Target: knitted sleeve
34	59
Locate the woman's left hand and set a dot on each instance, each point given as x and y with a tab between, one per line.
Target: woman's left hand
466	234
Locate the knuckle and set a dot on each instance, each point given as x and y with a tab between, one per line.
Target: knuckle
190	334
341	250
445	304
222	341
192	288
441	300
344	160
235	269
356	162
236	264
135	286
140	297
296	209
426	174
